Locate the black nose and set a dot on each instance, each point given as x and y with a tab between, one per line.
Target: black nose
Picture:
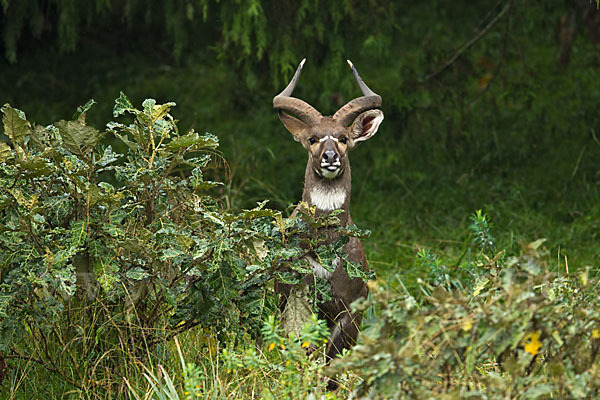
330	156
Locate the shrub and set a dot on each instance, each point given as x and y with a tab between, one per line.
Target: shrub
105	254
517	331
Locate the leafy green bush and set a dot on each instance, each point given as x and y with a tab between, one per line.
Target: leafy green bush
153	252
517	331
105	255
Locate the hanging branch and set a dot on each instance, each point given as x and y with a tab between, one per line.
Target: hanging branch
470	43
496	70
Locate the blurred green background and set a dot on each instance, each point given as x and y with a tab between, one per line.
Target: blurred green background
488	105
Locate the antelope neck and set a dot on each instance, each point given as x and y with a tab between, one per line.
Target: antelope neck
328	194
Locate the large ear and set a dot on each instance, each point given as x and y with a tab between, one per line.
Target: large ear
296	127
366	125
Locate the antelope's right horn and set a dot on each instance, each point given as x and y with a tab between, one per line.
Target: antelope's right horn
368	101
285	102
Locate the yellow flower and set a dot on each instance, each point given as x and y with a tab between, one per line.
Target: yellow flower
283	347
532	343
467	325
324	340
305	344
271	346
596	334
287	363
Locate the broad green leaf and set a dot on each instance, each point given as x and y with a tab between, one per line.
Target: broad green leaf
250	214
35	167
215	218
203	247
123	105
66	279
78	233
5	152
184	240
82	110
353	230
139	131
137	274
298	310
260	249
93	195
201	161
16	126
78	138
29	202
356	270
62	257
148	106
156	112
531	266
163	129
193	141
170	253
108	157
123	131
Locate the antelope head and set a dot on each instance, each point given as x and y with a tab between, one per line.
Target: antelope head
329	138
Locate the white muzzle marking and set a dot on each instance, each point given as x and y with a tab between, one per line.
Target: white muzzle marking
331	166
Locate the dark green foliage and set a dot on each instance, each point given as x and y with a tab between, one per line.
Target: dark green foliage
246	31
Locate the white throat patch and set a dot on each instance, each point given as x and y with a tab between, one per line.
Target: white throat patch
328	200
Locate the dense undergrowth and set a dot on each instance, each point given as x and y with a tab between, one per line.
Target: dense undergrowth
108	256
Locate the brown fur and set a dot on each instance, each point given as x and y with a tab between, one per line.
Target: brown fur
344	324
328	177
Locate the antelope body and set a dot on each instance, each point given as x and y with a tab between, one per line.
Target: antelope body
327	184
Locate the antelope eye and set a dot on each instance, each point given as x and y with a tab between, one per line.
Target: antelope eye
312	140
344	140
